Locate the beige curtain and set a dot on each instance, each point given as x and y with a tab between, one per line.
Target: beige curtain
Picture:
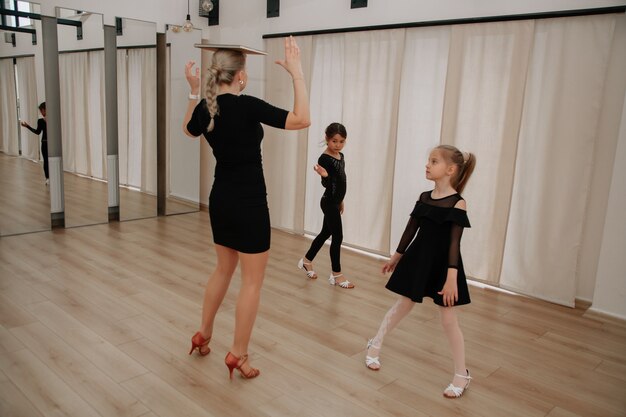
536	101
326	97
554	160
136	78
339	77
97	111
483	106
604	160
8	109
122	115
27	88
81	76
373	64
420	110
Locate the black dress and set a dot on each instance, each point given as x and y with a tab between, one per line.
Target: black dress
238	201
422	270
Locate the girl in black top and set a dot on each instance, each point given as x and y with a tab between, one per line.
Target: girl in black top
231	123
331	167
41	128
430	264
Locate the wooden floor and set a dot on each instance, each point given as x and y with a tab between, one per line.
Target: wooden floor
25	199
96	321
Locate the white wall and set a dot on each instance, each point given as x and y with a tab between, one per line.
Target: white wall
317	14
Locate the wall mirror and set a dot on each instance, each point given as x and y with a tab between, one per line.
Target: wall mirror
137	123
183	153
83	127
24	193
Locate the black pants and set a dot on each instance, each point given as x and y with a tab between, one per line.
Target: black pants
332	227
44	153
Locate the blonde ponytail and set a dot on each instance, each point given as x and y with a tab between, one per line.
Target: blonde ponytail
465	172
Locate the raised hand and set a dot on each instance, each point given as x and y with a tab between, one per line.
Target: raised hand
23	123
193	77
292	62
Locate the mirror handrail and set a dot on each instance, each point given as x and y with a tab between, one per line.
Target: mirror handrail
17	29
37	16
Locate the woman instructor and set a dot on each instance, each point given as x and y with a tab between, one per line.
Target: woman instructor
238	210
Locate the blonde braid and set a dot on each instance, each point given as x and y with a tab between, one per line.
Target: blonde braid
224	66
211	96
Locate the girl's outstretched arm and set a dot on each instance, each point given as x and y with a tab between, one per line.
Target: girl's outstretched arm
407	237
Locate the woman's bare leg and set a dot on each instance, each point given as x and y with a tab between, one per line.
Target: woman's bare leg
217	286
252	274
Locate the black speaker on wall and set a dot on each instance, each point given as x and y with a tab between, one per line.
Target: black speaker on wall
273	8
119	27
211	10
214	15
355	4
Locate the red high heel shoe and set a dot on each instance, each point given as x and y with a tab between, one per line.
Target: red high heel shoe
234	362
199	342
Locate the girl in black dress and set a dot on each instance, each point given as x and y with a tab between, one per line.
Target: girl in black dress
331	167
430	264
231	123
41	128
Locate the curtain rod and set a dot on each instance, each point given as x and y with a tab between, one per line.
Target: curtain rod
464	21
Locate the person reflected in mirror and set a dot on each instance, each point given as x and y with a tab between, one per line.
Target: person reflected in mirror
41	129
238	210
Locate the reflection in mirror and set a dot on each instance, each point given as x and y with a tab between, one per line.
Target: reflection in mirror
83	127
24	193
183	153
137	124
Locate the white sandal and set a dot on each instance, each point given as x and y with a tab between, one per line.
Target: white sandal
370	360
344	284
458	391
302	265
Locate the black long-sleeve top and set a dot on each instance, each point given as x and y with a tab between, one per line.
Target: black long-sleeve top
335	183
41	127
